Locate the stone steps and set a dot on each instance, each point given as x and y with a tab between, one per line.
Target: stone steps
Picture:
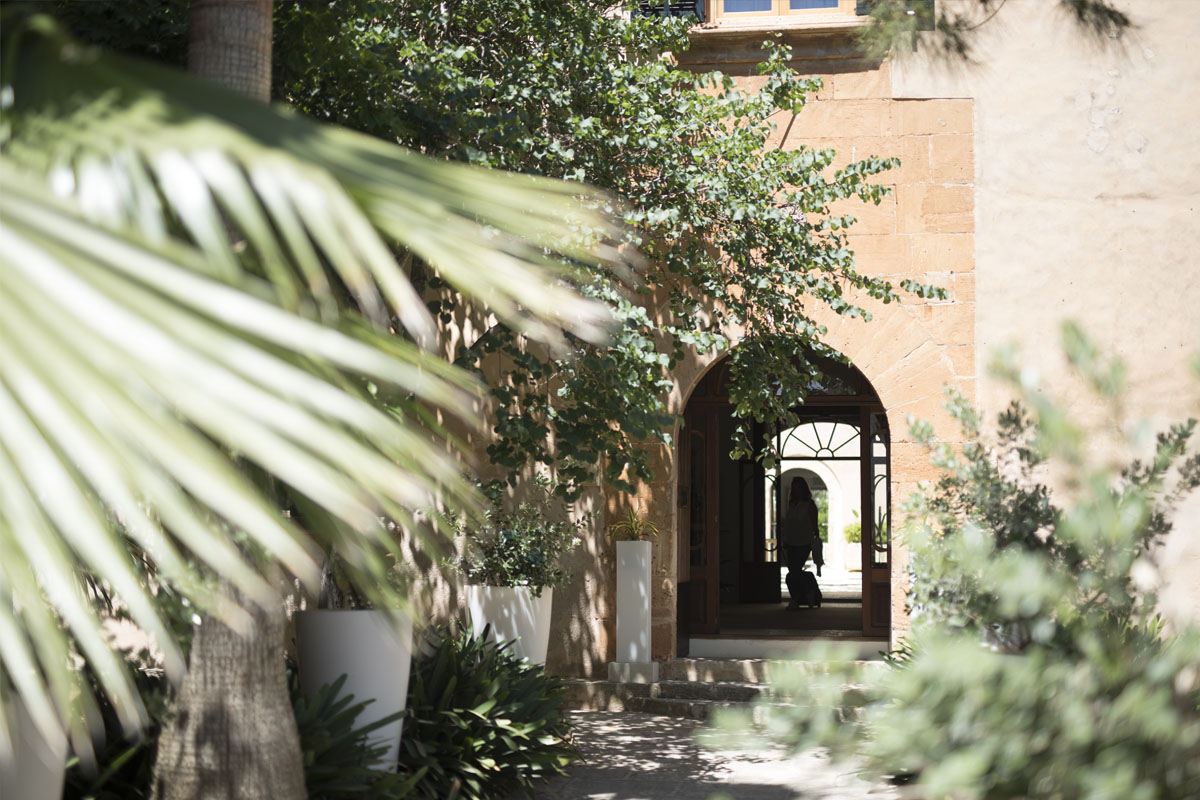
714	670
691	688
728	691
747	670
694	709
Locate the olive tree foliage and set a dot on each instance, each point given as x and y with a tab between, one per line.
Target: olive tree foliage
732	232
1037	666
953	24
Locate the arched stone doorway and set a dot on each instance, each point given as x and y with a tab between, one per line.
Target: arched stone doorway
729	574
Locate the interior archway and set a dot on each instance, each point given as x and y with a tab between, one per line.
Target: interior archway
731	581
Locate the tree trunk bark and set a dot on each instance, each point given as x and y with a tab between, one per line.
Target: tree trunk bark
233	734
229	41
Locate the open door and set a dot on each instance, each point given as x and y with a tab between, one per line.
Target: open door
877	526
699	518
729	511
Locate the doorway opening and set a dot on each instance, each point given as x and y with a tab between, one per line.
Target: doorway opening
732	580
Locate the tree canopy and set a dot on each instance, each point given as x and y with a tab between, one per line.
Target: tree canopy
734	233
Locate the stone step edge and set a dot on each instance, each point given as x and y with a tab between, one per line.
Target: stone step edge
703	710
748	670
724	691
596	695
586	695
694	709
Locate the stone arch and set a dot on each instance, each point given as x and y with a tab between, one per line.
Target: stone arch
907	352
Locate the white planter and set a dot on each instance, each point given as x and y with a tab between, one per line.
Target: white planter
854	556
374	655
633	602
514	613
633	664
38	765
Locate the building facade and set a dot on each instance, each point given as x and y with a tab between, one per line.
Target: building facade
1055	178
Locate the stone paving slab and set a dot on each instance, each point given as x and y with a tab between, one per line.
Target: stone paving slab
635	756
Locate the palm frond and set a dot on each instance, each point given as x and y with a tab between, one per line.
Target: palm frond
151	147
201	310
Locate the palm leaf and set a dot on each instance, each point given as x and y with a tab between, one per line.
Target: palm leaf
202	313
145	145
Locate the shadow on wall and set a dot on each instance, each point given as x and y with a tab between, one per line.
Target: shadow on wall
583	622
583	615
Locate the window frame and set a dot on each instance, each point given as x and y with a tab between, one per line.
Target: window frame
782	8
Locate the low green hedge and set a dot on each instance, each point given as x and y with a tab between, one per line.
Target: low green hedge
481	722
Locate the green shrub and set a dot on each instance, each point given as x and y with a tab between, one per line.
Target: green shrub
519	547
339	761
480	722
852	533
821	498
1036	667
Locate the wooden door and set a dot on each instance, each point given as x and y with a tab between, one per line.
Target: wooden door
699	515
876	525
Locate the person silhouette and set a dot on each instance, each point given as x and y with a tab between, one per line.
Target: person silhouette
801	536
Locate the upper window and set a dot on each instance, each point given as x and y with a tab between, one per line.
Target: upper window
746	8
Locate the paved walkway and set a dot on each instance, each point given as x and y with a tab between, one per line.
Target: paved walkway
632	756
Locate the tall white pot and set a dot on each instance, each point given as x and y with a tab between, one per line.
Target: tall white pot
853	556
633	602
38	765
514	613
375	656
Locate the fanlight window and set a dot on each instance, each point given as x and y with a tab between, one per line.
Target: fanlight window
824	439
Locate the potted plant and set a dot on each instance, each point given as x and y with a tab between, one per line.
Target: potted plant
632	536
372	647
511	560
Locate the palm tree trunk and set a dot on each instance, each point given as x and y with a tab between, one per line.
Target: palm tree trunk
229	41
233	734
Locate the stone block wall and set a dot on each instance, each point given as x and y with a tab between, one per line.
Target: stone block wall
924	230
910	351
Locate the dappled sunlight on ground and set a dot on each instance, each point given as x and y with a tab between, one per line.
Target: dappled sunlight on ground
633	756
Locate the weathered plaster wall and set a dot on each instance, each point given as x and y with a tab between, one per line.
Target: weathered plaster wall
1087	186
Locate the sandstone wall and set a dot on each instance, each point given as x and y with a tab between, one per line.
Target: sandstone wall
1087	185
924	229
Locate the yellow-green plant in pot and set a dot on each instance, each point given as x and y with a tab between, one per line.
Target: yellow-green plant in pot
632	529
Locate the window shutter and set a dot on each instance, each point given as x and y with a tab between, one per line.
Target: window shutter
673	8
863	8
927	25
